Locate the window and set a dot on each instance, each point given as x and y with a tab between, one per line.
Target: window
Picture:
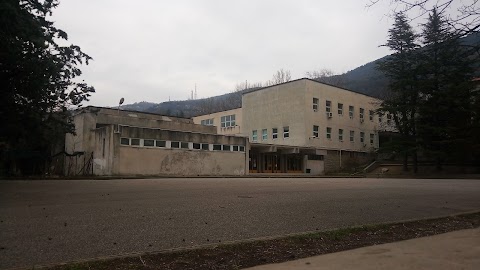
196	146
362	112
241	148
352	135
124	141
254	135
274	133
340	109
148	142
389	118
370	115
226	147
328	106
286	132
340	135
235	148
315	131
372	138
264	134
217	147
160	143
351	110
207	122
315	157
329	133
315	104
184	145
228	121
205	146
362	137
135	142
175	144
380	118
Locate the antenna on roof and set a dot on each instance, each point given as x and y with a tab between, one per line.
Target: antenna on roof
195	91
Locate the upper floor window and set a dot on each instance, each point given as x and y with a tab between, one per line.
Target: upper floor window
370	115
340	135
315	104
372	138
340	109
315	131
228	121
351	110
286	132
362	137
274	133
207	122
329	133
352	135
328	106
264	134
389	118
254	136
362	113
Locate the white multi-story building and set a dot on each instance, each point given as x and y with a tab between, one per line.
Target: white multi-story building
303	126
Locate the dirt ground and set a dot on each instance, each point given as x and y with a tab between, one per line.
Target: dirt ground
248	254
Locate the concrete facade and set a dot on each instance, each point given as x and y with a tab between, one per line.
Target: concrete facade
305	126
215	119
116	142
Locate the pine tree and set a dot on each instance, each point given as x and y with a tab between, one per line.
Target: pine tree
402	101
446	109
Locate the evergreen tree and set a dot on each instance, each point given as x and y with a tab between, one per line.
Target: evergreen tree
37	76
446	109
402	100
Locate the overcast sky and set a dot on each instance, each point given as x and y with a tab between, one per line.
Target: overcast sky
150	50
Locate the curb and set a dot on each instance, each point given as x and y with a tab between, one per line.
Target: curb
232	242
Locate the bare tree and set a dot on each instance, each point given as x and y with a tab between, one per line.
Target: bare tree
327	76
281	76
247	85
464	14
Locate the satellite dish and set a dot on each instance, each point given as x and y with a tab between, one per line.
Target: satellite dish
121	101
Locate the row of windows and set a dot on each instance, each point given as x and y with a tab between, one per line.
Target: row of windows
328	135
351	111
286	134
225	121
181	145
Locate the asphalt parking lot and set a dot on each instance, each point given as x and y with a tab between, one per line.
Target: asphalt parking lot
43	222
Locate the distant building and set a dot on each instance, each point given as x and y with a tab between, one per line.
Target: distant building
304	126
117	142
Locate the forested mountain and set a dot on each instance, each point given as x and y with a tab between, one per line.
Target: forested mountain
365	79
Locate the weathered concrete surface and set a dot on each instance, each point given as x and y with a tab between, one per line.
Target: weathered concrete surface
54	221
455	250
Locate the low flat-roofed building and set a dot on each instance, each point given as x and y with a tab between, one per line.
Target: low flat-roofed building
117	142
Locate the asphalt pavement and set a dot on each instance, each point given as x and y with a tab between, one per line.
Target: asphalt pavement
43	222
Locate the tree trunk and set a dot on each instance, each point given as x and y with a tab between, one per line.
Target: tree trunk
405	162
415	162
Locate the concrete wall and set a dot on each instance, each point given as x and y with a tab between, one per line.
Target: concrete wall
349	160
236	130
276	107
104	152
149	161
319	118
316	167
